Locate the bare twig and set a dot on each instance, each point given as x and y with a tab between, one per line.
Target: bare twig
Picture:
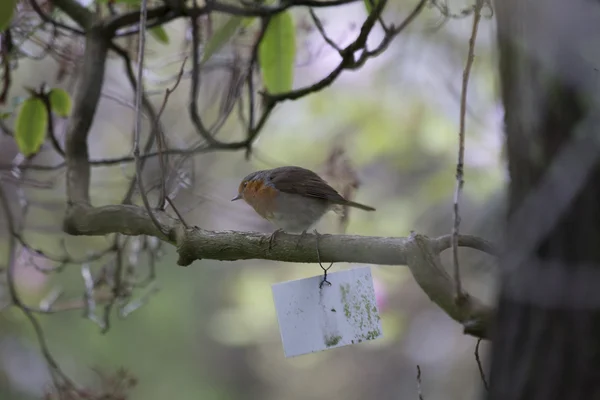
58	376
480	366
164	14
156	129
419	391
118	291
161	142
348	54
63	260
90	297
177	212
138	112
201	128
321	30
252	130
48	19
51	133
113	161
460	165
137	304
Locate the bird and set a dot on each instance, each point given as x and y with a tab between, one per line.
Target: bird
292	198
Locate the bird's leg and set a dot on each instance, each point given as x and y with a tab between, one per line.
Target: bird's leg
300	238
272	238
317	235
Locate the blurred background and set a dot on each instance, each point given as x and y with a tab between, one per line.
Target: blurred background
388	131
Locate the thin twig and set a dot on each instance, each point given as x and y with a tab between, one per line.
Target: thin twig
56	371
200	149
321	30
116	288
161	142
156	128
162	14
480	366
46	18
419	391
53	139
176	211
461	150
349	60
138	113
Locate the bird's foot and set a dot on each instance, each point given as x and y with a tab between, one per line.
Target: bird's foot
272	238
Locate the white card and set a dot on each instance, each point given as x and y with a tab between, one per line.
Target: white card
313	319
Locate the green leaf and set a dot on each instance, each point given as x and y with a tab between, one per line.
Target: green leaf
30	127
7	10
277	54
60	101
223	35
159	33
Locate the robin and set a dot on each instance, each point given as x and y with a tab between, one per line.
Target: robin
291	198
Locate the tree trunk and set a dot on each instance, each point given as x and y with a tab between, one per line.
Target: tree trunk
546	339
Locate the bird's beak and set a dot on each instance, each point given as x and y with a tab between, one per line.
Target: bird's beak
239	196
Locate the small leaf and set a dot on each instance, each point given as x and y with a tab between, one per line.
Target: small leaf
30	127
223	35
7	10
5	115
60	101
159	33
277	54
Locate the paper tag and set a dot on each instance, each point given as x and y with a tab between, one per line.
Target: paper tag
313	319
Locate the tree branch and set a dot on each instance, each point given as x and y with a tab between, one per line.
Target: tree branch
77	12
420	253
166	14
85	106
46	18
348	54
425	264
83	219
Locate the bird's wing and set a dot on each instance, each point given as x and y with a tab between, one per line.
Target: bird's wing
304	182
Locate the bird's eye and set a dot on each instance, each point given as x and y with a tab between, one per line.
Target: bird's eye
244	184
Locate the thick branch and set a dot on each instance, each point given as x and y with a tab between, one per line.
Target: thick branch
83	219
230	246
425	264
420	253
85	106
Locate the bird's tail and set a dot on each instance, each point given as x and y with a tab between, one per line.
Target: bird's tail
358	205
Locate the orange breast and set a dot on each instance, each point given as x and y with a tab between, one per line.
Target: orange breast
261	198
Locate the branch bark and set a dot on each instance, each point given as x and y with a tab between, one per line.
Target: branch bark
85	105
419	252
